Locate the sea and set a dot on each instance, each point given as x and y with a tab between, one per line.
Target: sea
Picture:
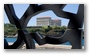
14	39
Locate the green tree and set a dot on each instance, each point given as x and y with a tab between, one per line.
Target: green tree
9	29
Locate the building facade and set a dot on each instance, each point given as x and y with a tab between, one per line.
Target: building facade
56	22
44	21
47	21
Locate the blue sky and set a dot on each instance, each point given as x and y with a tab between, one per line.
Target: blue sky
21	8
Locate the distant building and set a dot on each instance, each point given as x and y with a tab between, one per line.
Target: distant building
56	22
47	21
44	21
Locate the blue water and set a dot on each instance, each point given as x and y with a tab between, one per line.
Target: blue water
14	39
11	39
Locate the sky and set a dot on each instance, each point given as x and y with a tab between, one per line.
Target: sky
21	8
